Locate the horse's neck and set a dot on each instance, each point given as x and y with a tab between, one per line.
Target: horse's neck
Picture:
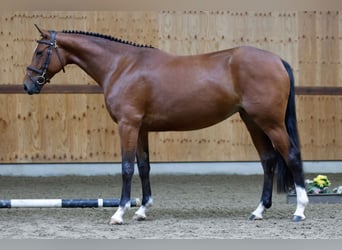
91	56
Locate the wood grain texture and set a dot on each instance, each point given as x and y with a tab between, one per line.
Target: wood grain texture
68	122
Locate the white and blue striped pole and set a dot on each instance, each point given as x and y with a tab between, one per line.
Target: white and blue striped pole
63	203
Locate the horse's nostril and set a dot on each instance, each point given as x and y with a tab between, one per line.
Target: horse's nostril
25	88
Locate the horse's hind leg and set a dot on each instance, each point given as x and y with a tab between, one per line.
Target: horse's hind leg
144	173
268	157
291	155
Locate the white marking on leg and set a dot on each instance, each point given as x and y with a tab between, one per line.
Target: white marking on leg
302	201
117	218
258	212
140	214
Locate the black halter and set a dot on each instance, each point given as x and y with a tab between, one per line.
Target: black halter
41	79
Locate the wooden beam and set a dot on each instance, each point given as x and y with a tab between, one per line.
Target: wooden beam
53	89
318	90
95	89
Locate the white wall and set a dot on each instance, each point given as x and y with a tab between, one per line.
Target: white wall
241	168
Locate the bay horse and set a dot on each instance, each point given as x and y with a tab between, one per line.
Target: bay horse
146	89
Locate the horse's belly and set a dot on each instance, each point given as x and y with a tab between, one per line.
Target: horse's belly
185	120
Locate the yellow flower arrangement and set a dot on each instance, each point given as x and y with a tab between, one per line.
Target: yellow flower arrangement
321	181
318	185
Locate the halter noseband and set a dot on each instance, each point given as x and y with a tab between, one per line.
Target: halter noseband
42	72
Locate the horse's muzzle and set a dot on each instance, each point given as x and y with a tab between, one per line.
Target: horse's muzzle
32	88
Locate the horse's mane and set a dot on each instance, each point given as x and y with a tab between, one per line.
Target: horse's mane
110	38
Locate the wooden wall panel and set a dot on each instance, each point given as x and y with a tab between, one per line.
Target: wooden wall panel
320	123
192	32
86	133
18	36
224	141
319	48
77	127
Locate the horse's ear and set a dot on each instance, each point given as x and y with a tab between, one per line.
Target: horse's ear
43	33
40	31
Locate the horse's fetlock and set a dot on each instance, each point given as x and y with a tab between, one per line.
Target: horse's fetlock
267	204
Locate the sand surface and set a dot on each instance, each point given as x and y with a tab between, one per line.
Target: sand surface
189	206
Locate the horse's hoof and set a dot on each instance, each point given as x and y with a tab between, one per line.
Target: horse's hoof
114	221
139	217
254	217
297	218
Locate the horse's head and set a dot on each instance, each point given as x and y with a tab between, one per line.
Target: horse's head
46	62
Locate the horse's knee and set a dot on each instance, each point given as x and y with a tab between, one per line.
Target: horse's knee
127	170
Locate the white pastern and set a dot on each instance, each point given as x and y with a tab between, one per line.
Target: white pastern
302	201
258	212
140	214
117	218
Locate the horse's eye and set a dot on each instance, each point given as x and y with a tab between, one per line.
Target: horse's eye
39	53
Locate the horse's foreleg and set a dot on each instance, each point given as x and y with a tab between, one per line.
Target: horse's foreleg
129	136
144	173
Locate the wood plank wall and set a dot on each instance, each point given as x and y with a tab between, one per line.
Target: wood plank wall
76	127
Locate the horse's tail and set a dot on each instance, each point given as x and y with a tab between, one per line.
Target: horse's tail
284	175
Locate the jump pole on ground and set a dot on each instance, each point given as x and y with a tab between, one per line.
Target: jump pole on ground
64	203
